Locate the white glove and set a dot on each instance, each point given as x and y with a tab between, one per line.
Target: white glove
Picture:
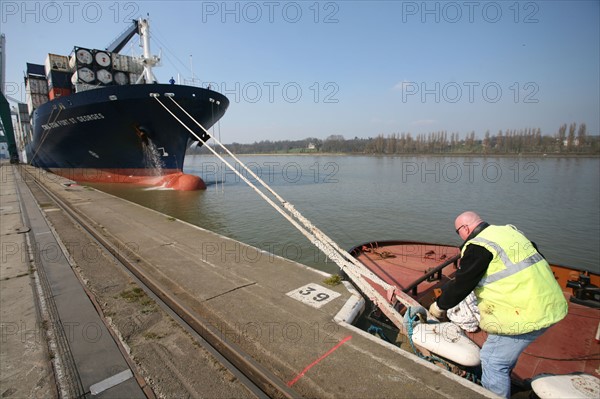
436	311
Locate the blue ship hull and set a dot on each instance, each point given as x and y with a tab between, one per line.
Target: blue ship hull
110	128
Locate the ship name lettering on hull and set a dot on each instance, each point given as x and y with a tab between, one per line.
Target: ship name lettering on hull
72	121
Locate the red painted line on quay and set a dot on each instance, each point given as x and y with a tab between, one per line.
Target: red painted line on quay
329	352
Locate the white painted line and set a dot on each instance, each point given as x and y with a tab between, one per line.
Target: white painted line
313	295
110	382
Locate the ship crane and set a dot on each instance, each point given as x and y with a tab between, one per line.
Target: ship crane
119	43
142	28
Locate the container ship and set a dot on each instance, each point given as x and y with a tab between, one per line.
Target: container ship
100	116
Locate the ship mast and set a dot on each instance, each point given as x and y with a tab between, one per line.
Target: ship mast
148	59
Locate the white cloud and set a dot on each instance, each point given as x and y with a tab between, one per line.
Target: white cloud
402	85
382	121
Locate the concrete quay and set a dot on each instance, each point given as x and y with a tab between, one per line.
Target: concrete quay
278	312
25	367
72	365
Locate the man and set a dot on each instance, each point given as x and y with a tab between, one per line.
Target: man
517	294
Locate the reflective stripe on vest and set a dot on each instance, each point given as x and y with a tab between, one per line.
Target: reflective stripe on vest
511	268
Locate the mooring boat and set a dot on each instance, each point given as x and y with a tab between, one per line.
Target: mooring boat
101	116
420	270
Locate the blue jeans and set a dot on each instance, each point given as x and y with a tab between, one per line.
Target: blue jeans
499	355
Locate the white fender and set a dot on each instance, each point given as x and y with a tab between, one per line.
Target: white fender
567	386
447	340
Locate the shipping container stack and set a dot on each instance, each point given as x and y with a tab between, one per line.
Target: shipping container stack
82	64
103	67
84	69
126	69
120	69
23	132
58	73
95	68
36	86
36	90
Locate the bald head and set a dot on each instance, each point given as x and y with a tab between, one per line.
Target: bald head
466	222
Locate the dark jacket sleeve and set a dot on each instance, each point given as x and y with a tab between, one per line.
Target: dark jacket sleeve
473	266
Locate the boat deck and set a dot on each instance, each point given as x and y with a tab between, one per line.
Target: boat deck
402	264
567	347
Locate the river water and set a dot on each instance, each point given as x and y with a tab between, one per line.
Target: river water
356	199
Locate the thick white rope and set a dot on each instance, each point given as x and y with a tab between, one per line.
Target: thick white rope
342	258
295	213
47	132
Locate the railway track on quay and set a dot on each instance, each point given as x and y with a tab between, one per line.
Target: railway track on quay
255	378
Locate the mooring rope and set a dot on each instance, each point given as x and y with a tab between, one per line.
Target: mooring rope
47	132
318	234
352	266
355	270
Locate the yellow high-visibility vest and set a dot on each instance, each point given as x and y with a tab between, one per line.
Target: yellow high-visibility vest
518	293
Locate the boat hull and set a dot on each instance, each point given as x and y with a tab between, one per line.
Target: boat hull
569	346
121	134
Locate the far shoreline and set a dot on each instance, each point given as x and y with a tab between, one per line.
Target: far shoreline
437	155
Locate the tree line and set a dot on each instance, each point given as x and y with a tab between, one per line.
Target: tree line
569	139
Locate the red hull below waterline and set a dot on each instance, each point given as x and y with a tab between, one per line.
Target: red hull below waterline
169	179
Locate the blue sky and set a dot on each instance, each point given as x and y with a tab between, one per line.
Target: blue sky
354	68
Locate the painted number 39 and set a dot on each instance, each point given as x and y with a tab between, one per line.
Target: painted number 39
313	294
321	296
